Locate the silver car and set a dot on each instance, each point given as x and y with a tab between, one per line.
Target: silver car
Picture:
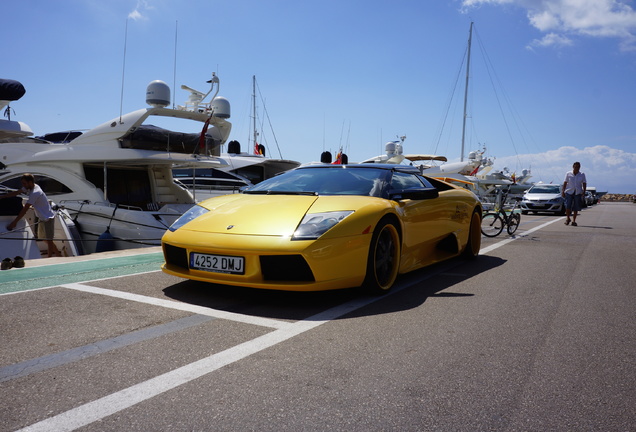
543	198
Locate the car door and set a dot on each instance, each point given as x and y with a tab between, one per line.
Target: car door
422	221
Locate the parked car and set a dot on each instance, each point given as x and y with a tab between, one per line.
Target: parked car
545	198
589	198
322	227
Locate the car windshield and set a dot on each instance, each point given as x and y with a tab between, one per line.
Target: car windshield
337	180
545	189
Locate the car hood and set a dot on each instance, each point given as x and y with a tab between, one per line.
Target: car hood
541	196
273	215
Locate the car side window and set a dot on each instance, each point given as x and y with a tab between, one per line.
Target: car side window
433	183
405	181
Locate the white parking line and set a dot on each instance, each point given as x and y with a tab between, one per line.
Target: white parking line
254	320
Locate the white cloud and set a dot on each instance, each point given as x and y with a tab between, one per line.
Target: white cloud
606	168
135	15
563	18
551	39
139	13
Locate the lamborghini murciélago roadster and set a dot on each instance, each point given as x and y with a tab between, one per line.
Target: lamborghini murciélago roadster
322	227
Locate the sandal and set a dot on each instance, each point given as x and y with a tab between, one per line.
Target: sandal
574	224
7	264
567	222
18	262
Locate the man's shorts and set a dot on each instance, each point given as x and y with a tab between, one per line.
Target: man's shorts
47	228
573	202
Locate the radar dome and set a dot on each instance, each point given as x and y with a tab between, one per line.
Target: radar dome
158	94
221	107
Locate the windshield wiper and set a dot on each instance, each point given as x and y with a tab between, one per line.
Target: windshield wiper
276	192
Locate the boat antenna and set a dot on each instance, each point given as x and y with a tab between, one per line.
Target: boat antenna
174	72
123	74
470	38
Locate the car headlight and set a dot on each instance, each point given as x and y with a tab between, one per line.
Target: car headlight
194	212
314	225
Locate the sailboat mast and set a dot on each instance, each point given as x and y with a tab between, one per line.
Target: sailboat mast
470	38
254	111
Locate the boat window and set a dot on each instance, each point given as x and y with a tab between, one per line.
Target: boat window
61	137
49	185
127	185
254	174
151	137
205	183
180	173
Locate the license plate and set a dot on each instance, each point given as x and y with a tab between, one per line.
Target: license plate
217	263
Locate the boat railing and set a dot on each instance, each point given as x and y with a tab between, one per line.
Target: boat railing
153	207
103	203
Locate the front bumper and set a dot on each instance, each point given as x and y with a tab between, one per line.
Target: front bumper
542	206
272	262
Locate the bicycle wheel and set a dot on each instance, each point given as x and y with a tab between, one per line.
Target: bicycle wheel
513	223
491	224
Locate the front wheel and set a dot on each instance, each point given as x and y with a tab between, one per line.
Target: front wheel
491	224
513	223
384	259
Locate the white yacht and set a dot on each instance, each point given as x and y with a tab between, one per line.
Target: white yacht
115	180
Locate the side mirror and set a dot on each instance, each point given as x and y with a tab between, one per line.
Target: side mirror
414	194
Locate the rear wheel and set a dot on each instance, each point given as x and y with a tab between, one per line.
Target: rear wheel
491	225
474	237
513	223
384	259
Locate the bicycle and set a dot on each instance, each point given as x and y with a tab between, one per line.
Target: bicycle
492	222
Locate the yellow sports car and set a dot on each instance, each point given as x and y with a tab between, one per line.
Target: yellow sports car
322	227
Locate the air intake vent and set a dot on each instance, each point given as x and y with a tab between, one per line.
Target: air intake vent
175	256
286	268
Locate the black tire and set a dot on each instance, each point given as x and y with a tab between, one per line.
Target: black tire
513	223
471	251
384	259
491	225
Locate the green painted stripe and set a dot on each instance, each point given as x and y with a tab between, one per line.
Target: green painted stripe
72	272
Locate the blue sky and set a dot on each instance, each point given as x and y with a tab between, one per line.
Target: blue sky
552	81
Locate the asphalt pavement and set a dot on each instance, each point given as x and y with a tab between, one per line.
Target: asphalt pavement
537	334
